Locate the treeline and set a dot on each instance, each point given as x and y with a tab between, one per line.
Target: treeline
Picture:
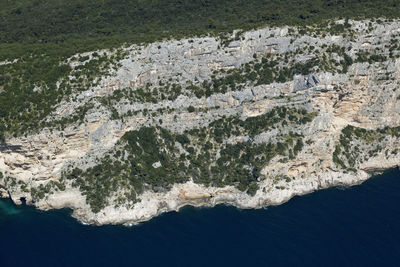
70	26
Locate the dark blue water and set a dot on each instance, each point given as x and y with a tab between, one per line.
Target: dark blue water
335	227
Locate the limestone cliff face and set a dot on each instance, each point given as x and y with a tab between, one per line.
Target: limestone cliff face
365	96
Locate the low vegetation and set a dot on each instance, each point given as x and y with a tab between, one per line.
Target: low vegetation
353	139
154	158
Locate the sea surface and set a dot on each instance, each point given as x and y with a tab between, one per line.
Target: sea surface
356	226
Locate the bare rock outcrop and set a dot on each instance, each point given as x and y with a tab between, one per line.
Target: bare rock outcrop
365	96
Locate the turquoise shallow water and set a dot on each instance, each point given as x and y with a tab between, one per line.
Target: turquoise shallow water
7	209
357	226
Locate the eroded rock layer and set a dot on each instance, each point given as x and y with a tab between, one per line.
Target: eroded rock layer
250	122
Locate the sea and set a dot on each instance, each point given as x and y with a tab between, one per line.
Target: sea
344	226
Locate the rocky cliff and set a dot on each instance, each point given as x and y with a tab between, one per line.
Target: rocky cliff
250	119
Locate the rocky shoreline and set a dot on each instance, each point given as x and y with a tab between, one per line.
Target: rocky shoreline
347	120
191	194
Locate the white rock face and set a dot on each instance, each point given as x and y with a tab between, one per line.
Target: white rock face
360	98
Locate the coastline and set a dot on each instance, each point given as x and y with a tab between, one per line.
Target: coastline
331	180
237	199
324	223
32	167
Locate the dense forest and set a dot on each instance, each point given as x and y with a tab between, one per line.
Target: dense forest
65	27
